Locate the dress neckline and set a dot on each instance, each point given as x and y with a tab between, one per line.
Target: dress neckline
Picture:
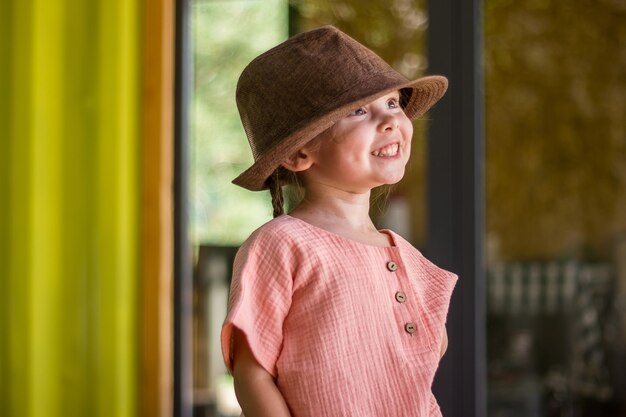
391	235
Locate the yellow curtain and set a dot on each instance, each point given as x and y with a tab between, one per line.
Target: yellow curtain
69	195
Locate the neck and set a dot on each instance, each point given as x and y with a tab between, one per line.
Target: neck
342	213
336	208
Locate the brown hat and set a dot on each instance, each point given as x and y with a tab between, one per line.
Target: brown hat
296	90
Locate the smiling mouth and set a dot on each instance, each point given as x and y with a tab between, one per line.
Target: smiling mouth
387	151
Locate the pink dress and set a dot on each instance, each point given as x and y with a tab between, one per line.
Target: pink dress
347	329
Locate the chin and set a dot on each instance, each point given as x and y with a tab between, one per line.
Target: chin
388	182
393	182
393	179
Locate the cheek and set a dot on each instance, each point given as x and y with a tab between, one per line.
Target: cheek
406	127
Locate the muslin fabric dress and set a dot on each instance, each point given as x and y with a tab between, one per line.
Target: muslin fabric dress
347	329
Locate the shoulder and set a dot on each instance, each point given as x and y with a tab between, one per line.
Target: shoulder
279	238
281	232
424	265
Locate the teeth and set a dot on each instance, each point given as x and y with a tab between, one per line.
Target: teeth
389	150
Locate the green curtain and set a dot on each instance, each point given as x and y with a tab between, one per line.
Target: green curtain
69	195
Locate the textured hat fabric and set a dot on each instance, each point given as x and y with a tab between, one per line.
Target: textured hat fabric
298	89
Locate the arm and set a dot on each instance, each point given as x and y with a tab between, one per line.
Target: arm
255	387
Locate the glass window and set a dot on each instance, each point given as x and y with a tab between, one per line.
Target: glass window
556	207
226	35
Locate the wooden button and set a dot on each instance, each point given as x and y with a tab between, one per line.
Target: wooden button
410	328
392	266
400	297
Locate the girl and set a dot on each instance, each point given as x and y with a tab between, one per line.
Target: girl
328	316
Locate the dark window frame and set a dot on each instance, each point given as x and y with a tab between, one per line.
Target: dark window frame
455	199
182	275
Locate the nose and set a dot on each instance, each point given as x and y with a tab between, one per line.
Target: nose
388	123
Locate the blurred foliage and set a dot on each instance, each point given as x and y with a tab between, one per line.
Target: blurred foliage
555	127
227	35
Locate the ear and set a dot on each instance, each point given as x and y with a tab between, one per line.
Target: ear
299	161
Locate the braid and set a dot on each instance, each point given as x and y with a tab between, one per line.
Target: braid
276	193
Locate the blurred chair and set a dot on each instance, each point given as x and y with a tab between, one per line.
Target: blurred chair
546	344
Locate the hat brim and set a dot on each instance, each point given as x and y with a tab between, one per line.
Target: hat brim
426	91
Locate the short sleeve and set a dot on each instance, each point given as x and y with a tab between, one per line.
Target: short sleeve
260	297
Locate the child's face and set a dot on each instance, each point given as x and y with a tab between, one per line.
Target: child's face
366	149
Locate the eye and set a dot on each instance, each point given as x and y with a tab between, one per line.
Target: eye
393	103
359	112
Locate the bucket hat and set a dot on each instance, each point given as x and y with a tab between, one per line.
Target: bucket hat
298	89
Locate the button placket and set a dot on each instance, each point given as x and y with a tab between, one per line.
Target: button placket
400	296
